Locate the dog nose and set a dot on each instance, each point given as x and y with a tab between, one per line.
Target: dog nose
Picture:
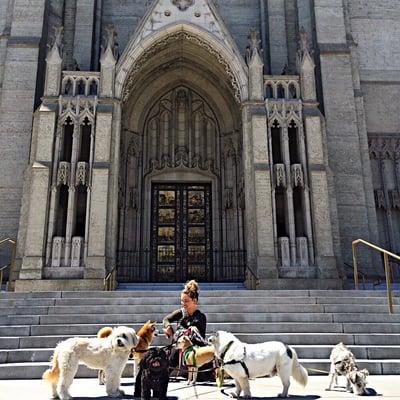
120	343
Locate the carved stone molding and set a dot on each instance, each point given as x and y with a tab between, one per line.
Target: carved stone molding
284	252
160	45
57	251
77	109
64	170
228	198
82	173
302	251
280	175
183	5
384	148
76	251
395	199
380	200
284	111
297	175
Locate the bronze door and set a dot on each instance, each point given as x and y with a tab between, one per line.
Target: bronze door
181	232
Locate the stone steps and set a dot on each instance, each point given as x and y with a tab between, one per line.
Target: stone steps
312	321
34	370
304	351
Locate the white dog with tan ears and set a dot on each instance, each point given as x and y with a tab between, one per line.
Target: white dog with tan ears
109	354
244	361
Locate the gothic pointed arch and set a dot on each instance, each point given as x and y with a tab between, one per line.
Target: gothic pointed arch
198	24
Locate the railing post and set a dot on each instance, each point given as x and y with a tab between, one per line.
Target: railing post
14	250
1	279
353	246
388	282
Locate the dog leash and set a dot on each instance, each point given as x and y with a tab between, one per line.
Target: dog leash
318	370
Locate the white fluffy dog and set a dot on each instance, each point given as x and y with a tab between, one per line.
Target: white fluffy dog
109	354
243	361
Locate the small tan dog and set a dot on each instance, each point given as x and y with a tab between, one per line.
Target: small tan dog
145	334
343	363
194	356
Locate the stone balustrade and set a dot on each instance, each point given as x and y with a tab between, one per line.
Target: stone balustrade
282	87
80	83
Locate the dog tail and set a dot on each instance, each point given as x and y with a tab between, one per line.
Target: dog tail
52	374
104	332
299	373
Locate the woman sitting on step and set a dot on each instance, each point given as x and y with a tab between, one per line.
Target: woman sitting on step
186	317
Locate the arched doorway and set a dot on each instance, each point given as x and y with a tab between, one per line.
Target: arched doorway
181	196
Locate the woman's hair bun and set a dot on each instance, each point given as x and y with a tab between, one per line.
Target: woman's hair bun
192	286
191	289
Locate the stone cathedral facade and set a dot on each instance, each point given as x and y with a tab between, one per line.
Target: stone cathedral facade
177	139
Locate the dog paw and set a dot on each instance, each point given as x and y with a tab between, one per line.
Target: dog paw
282	396
234	395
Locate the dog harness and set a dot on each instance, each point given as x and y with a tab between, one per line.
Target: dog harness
241	362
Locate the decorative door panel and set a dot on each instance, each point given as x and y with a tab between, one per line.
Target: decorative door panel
181	232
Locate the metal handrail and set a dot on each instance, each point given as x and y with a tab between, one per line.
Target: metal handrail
110	280
11	265
365	276
386	255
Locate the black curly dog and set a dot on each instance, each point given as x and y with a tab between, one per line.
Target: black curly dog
153	375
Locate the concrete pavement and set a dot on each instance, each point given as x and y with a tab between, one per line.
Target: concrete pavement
386	387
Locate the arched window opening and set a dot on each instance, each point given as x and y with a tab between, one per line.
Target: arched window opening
68	88
281	224
276	143
93	88
269	92
298	212
86	129
280	91
66	152
61	221
292	91
80	219
80	89
293	143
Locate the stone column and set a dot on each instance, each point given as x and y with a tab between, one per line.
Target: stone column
99	199
317	166
76	140
289	194
112	237
343	141
38	200
54	193
84	31
258	191
320	199
306	196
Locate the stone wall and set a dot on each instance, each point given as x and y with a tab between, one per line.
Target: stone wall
16	105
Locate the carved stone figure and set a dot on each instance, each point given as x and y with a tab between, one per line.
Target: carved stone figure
183	4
